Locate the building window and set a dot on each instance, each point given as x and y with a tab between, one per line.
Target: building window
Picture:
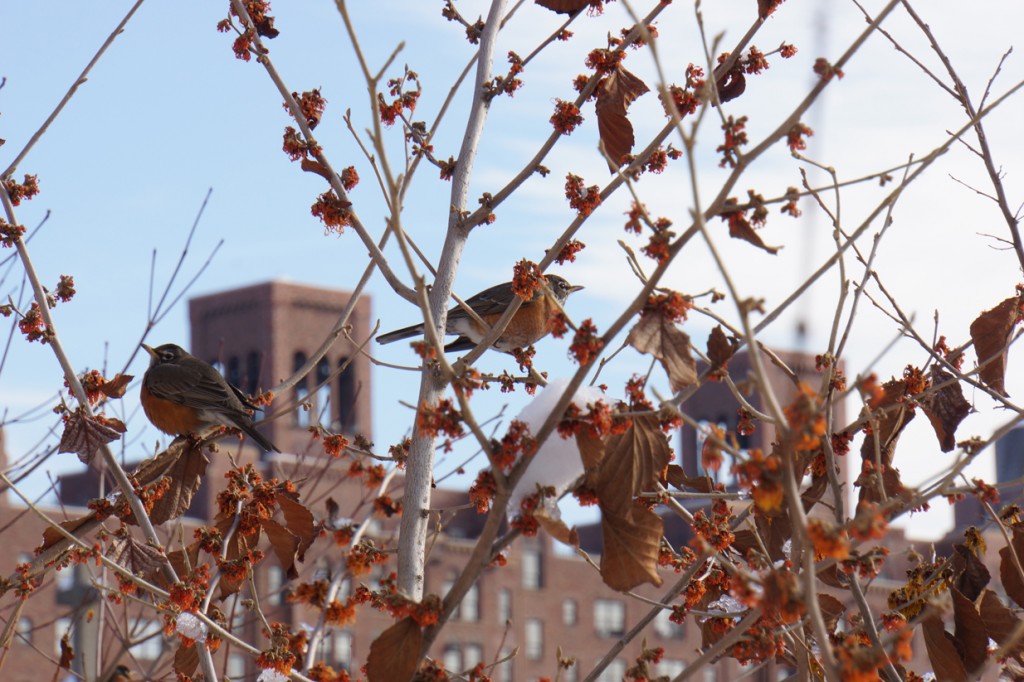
322	402
533	577
670	668
275	583
452	658
234	375
24	630
65	579
346	421
471	655
504	605
534	636
724	474
148	638
569	612
570	674
446	587
710	674
470	605
615	671
301	391
503	671
665	628
609	617
236	666
342	645
252	372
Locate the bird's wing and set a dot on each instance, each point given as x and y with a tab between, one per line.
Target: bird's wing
191	387
491	301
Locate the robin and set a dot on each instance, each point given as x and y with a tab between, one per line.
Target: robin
181	394
531	323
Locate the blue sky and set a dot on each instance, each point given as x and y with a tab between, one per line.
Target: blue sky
169	113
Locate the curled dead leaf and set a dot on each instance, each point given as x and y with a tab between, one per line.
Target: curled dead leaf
945	407
395	654
284	543
631	545
942	650
634	462
186	475
657	335
990	333
116	387
84	434
614	95
139	558
721	348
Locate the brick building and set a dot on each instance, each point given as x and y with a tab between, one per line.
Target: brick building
545	600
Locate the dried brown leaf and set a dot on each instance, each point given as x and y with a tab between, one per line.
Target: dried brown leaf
631	544
299	520
1009	574
742	229
732	85
942	651
766	7
186	660
84	435
563	6
945	407
831	610
970	575
614	95
591	453
395	654
557	528
634	462
116	387
991	334
970	631
677	478
137	557
884	435
721	348
1000	623
657	335
51	537
285	544
312	166
186	475
67	652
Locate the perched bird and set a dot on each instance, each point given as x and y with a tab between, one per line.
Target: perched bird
181	394
531	323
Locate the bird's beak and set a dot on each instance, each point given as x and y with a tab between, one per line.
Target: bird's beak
152	353
575	287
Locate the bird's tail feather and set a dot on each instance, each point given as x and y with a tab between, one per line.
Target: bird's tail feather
399	334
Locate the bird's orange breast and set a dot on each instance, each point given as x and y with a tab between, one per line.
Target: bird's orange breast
170	417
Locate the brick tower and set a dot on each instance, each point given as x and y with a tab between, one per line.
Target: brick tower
715	403
260	334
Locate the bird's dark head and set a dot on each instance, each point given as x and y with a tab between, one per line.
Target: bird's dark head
166	353
561	289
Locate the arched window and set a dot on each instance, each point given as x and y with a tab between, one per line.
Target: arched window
346	420
322	408
234	373
301	392
252	372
